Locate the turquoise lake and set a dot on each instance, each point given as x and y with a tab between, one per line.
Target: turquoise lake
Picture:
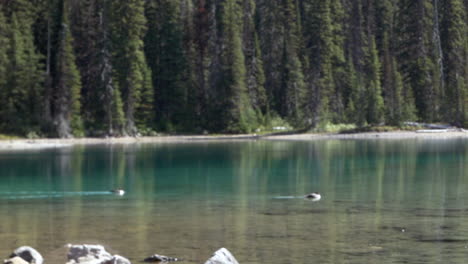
383	201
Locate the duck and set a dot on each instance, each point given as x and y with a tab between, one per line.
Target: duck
119	192
315	196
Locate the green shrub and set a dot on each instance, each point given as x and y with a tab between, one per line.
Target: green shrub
328	127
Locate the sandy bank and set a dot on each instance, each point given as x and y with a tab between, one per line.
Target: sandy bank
19	144
375	135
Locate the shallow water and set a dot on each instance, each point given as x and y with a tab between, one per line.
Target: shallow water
394	201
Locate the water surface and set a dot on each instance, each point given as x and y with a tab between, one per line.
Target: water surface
389	201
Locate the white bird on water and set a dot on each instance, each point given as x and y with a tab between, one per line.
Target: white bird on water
314	197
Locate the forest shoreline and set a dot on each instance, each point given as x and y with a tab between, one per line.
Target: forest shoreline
28	144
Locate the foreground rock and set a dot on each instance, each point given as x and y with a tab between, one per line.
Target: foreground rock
160	258
15	260
26	253
222	256
93	254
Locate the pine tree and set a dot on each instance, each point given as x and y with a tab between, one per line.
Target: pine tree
337	101
145	109
375	103
4	63
269	21
236	111
128	25
192	115
355	112
455	48
255	78
85	24
91	27
112	104
205	64
168	62
322	46
293	76
67	83
22	93
417	61
356	47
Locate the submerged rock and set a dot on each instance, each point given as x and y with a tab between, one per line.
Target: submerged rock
222	256
93	254
28	254
160	258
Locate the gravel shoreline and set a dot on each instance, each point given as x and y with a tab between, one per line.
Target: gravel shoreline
26	144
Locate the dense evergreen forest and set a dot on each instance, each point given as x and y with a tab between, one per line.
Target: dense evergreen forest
123	67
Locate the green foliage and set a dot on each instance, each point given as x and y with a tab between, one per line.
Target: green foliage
68	84
168	62
4	63
328	127
374	102
118	116
408	109
128	26
293	76
455	49
21	81
8	137
255	74
238	113
416	33
355	110
145	112
130	67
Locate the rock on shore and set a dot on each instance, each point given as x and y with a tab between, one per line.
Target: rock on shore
27	254
15	260
93	254
222	256
97	254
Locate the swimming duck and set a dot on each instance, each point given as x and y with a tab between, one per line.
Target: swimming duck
315	196
119	192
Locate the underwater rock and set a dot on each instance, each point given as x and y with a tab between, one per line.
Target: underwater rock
15	260
222	256
29	254
160	258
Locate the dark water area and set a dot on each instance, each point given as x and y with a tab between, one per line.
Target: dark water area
388	201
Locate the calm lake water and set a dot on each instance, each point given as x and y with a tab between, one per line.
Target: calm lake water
388	201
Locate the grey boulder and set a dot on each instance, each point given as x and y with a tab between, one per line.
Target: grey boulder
93	254
222	256
15	260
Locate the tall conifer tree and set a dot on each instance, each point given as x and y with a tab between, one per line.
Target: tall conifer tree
67	82
237	113
414	35
22	90
128	29
255	78
455	48
167	59
375	103
269	20
4	61
293	76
